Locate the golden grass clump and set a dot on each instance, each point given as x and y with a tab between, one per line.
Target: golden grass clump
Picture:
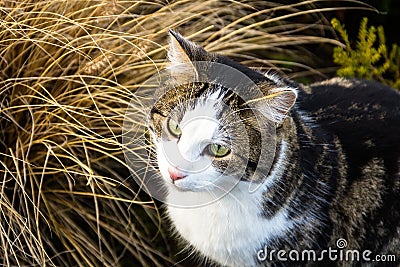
68	70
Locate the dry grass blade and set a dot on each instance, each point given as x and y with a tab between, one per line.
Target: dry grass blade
68	70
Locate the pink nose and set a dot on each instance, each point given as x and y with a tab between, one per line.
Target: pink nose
175	174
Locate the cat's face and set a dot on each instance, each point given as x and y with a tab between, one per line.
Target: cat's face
205	136
200	137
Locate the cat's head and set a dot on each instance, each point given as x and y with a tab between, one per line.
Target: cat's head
205	134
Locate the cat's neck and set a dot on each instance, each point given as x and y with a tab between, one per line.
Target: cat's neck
290	203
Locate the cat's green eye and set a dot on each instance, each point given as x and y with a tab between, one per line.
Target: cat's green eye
219	150
174	128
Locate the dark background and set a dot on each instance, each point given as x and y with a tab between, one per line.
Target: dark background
388	17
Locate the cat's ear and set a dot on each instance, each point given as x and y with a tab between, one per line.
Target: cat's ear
181	55
279	102
181	50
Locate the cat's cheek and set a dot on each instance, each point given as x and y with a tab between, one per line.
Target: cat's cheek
163	165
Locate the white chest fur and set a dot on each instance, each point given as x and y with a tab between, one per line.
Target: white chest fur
230	230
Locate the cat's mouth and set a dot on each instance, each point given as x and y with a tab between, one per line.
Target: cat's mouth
188	183
185	186
178	178
175	174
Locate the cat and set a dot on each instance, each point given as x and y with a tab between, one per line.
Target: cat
334	175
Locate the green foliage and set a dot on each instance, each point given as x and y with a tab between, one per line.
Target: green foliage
370	59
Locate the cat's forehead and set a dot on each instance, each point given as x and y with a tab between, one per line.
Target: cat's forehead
195	99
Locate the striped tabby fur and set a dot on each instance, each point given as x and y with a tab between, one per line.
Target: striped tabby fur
335	174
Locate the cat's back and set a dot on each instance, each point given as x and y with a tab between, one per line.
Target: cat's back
365	115
351	101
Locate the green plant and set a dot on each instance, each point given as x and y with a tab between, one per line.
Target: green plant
371	58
